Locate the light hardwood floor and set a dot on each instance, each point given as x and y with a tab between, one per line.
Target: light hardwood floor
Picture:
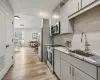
28	67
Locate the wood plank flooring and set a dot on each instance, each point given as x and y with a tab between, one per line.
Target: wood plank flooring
28	67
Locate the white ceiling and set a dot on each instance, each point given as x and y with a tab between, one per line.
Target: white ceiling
34	7
28	22
29	11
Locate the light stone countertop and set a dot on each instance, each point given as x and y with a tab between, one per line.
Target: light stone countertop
83	58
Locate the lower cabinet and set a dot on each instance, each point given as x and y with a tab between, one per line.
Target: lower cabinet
57	65
65	70
79	75
69	72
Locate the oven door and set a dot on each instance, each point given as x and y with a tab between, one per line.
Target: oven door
50	60
49	57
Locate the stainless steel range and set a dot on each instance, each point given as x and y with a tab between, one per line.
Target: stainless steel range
50	55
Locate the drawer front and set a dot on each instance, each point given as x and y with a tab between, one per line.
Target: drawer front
84	66
57	53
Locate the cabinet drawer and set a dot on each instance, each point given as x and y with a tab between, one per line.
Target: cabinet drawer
57	65
57	53
84	66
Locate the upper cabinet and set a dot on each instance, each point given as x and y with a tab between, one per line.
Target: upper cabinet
72	7
66	24
84	3
76	7
56	15
64	13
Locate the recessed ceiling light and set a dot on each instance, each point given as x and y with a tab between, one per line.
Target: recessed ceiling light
44	15
41	13
16	17
22	25
55	16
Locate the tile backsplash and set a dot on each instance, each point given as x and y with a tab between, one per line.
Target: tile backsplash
60	39
93	40
88	22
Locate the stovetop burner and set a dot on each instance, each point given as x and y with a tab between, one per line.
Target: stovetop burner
54	45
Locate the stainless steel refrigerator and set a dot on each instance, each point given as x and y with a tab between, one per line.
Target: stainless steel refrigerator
40	44
43	39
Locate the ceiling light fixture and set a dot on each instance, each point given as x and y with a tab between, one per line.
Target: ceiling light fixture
41	13
44	15
22	25
16	17
55	16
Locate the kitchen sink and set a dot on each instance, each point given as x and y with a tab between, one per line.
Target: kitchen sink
82	53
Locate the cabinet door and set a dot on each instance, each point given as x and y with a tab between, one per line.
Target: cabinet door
66	71
86	2
65	24
79	75
55	16
57	65
72	7
53	21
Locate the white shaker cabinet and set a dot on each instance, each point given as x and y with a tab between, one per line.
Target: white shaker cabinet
66	26
53	21
65	70
57	63
72	7
69	72
55	15
86	2
79	75
77	7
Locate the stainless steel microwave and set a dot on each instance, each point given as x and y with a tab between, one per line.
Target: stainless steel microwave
55	29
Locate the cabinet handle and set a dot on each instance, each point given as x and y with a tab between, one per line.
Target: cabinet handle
72	71
78	5
81	3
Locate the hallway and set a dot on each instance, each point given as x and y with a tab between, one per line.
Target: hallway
28	67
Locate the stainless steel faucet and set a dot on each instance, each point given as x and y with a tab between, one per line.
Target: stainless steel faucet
86	42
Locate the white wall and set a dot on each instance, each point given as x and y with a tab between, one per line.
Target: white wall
28	34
